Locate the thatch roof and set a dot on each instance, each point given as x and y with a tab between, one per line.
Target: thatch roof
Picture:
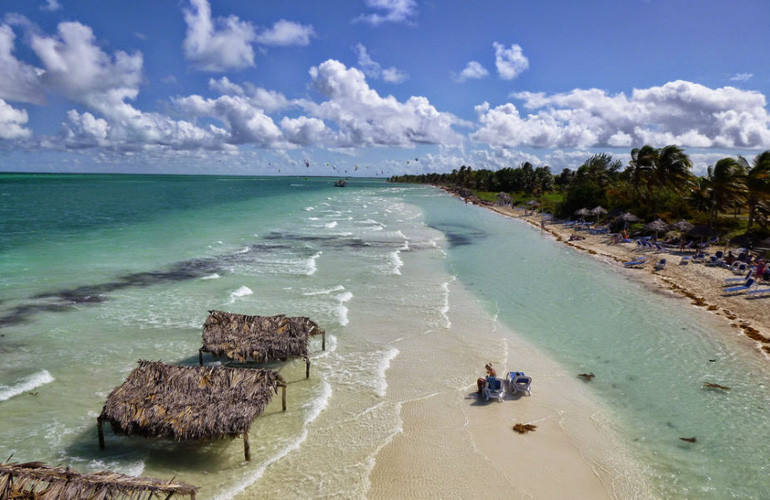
261	339
36	480
188	402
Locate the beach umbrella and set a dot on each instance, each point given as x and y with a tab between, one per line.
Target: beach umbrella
682	226
658	226
582	213
598	212
627	217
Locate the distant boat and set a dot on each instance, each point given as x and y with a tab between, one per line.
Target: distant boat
341	183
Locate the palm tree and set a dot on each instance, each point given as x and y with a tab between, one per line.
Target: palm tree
757	184
726	180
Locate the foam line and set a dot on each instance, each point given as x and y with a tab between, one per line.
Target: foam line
342	310
26	384
241	292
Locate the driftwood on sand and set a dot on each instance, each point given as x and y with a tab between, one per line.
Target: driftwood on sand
261	339
36	480
189	402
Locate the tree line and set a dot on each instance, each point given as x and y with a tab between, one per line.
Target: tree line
656	183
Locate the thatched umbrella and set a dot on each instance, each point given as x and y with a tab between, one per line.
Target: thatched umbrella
599	210
627	217
583	212
189	402
38	480
658	226
682	226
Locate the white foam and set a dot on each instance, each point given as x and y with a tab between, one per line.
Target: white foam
313	218
311	265
395	259
316	407
342	310
214	276
241	292
382	367
325	291
244	250
308	209
445	308
331	225
26	384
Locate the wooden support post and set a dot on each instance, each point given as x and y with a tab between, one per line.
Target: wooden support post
200	357
323	341
101	433
307	367
246	449
283	396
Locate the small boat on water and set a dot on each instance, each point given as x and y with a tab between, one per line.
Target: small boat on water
341	183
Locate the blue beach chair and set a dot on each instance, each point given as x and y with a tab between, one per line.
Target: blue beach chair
517	382
493	389
742	288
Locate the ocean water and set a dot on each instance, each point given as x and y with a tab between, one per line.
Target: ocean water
97	272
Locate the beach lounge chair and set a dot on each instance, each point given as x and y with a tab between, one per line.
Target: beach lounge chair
516	382
732	281
641	261
740	289
685	260
660	265
758	292
494	389
698	258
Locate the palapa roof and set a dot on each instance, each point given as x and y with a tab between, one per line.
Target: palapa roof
257	338
36	480
189	402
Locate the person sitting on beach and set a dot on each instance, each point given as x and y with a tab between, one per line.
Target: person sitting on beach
729	258
761	268
482	381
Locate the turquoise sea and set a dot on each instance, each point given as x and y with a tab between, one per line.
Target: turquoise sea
99	271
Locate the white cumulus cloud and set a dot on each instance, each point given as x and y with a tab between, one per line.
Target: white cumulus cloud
219	44
19	81
286	33
364	118
12	122
680	112
472	71
77	68
510	62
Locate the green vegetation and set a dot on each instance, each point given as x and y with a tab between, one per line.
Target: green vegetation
732	198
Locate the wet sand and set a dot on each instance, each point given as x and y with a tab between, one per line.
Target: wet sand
452	444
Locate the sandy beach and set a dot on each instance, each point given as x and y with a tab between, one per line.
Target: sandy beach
454	445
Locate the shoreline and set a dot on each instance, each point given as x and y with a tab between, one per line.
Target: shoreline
700	284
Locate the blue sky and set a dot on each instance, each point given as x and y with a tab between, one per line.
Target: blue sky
376	87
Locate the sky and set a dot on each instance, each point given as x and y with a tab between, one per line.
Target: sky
376	87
